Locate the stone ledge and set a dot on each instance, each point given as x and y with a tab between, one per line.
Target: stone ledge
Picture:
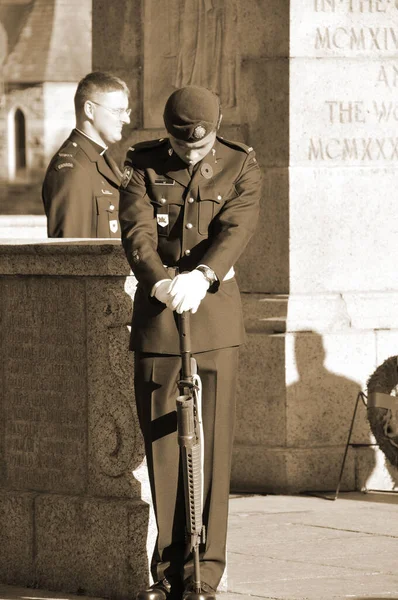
257	469
67	257
272	313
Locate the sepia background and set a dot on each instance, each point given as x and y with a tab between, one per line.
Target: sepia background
311	85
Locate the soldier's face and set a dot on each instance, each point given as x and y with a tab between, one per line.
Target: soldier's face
193	152
110	115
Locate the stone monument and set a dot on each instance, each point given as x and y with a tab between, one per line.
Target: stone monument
315	96
311	85
72	511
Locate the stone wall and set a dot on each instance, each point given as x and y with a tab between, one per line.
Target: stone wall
334	208
314	95
72	509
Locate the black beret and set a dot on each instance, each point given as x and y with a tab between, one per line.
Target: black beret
191	113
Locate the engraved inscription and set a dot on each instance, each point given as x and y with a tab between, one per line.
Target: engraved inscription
351	38
345	149
388	76
355	6
44	385
356	123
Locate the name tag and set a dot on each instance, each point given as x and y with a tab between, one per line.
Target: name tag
164	182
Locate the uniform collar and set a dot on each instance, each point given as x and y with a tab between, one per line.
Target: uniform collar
98	147
95	153
176	169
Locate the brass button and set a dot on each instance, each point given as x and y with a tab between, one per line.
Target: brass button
187	252
219	197
163	200
111	207
189	225
191	200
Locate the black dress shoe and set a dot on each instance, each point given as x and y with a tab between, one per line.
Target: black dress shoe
206	592
158	591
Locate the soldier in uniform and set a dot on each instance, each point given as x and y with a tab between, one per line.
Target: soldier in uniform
188	206
81	186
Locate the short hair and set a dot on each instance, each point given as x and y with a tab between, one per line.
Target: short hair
97	81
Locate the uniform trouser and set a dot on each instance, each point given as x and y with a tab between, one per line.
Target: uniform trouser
156	389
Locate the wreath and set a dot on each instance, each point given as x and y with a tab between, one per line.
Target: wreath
382	407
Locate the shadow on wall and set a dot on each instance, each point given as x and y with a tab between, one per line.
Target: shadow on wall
320	407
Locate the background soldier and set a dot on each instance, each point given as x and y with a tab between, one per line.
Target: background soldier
188	206
80	189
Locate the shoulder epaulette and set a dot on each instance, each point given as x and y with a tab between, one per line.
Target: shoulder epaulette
147	145
68	150
236	145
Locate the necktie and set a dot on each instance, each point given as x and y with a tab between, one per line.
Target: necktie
192	169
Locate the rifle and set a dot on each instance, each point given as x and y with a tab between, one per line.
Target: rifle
190	440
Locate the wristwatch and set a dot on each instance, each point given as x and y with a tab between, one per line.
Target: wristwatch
208	273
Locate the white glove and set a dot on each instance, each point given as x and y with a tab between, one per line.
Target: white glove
161	291
187	291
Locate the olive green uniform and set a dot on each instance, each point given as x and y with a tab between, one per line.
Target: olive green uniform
81	191
171	219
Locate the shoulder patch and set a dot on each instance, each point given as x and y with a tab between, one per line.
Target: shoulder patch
127	175
235	145
64	165
68	149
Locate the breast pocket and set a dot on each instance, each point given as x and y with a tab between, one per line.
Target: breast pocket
167	202
208	207
107	217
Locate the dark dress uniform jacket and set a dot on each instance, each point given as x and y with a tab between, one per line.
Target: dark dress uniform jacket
168	220
81	191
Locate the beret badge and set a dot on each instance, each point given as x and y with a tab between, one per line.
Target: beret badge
199	132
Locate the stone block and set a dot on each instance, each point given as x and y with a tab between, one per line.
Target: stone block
264	100
343	28
324	374
341	225
258	469
17	538
56	257
44	394
372	310
318	469
91	546
343	113
265	313
264	28
264	265
322	312
261	393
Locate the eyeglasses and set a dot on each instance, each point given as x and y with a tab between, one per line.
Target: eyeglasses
118	112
